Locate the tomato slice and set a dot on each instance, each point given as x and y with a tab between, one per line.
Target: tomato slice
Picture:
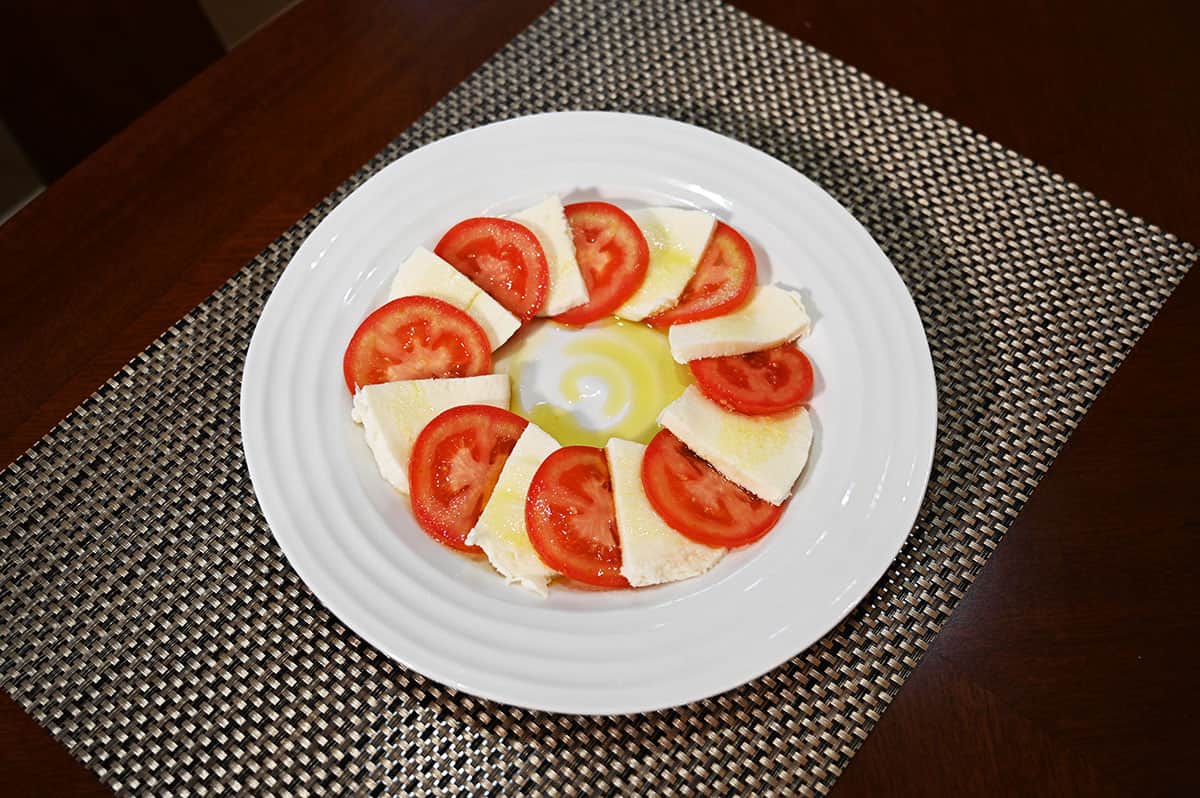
571	519
613	257
756	383
455	463
722	282
503	258
697	501
414	338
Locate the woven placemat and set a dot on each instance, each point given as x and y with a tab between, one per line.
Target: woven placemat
149	621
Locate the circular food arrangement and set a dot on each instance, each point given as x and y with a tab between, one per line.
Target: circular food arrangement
677	430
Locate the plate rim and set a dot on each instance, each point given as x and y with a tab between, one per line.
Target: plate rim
315	581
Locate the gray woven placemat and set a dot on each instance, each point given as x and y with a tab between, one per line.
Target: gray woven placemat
148	619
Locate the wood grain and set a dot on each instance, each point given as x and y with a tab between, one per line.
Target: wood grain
77	71
34	765
1081	628
1069	667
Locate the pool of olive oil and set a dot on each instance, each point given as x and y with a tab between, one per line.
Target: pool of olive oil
586	385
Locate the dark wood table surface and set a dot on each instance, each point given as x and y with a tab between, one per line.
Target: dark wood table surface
1069	668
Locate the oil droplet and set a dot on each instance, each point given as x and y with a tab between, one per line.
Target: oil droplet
584	386
668	259
750	438
594	376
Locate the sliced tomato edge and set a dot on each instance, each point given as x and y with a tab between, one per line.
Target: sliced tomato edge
584	314
542	286
426	521
553	561
440	305
756	534
748	407
671	316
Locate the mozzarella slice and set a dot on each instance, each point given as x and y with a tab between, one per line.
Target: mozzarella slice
549	224
394	413
426	274
500	530
677	239
651	551
763	454
773	316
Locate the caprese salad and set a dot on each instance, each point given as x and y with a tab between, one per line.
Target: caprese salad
482	479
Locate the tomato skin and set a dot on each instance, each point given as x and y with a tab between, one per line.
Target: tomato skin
613	257
571	518
412	338
503	258
454	466
697	501
756	383
722	283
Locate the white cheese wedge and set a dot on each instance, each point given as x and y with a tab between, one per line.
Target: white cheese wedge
426	274
651	551
394	413
677	239
549	224
773	316
763	454
500	530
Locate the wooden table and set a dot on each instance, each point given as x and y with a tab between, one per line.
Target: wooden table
1070	666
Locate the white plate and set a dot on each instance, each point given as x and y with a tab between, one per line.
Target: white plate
354	541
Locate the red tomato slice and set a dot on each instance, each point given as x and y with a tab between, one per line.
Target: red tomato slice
722	282
571	519
501	257
414	338
455	463
697	501
756	383
612	254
